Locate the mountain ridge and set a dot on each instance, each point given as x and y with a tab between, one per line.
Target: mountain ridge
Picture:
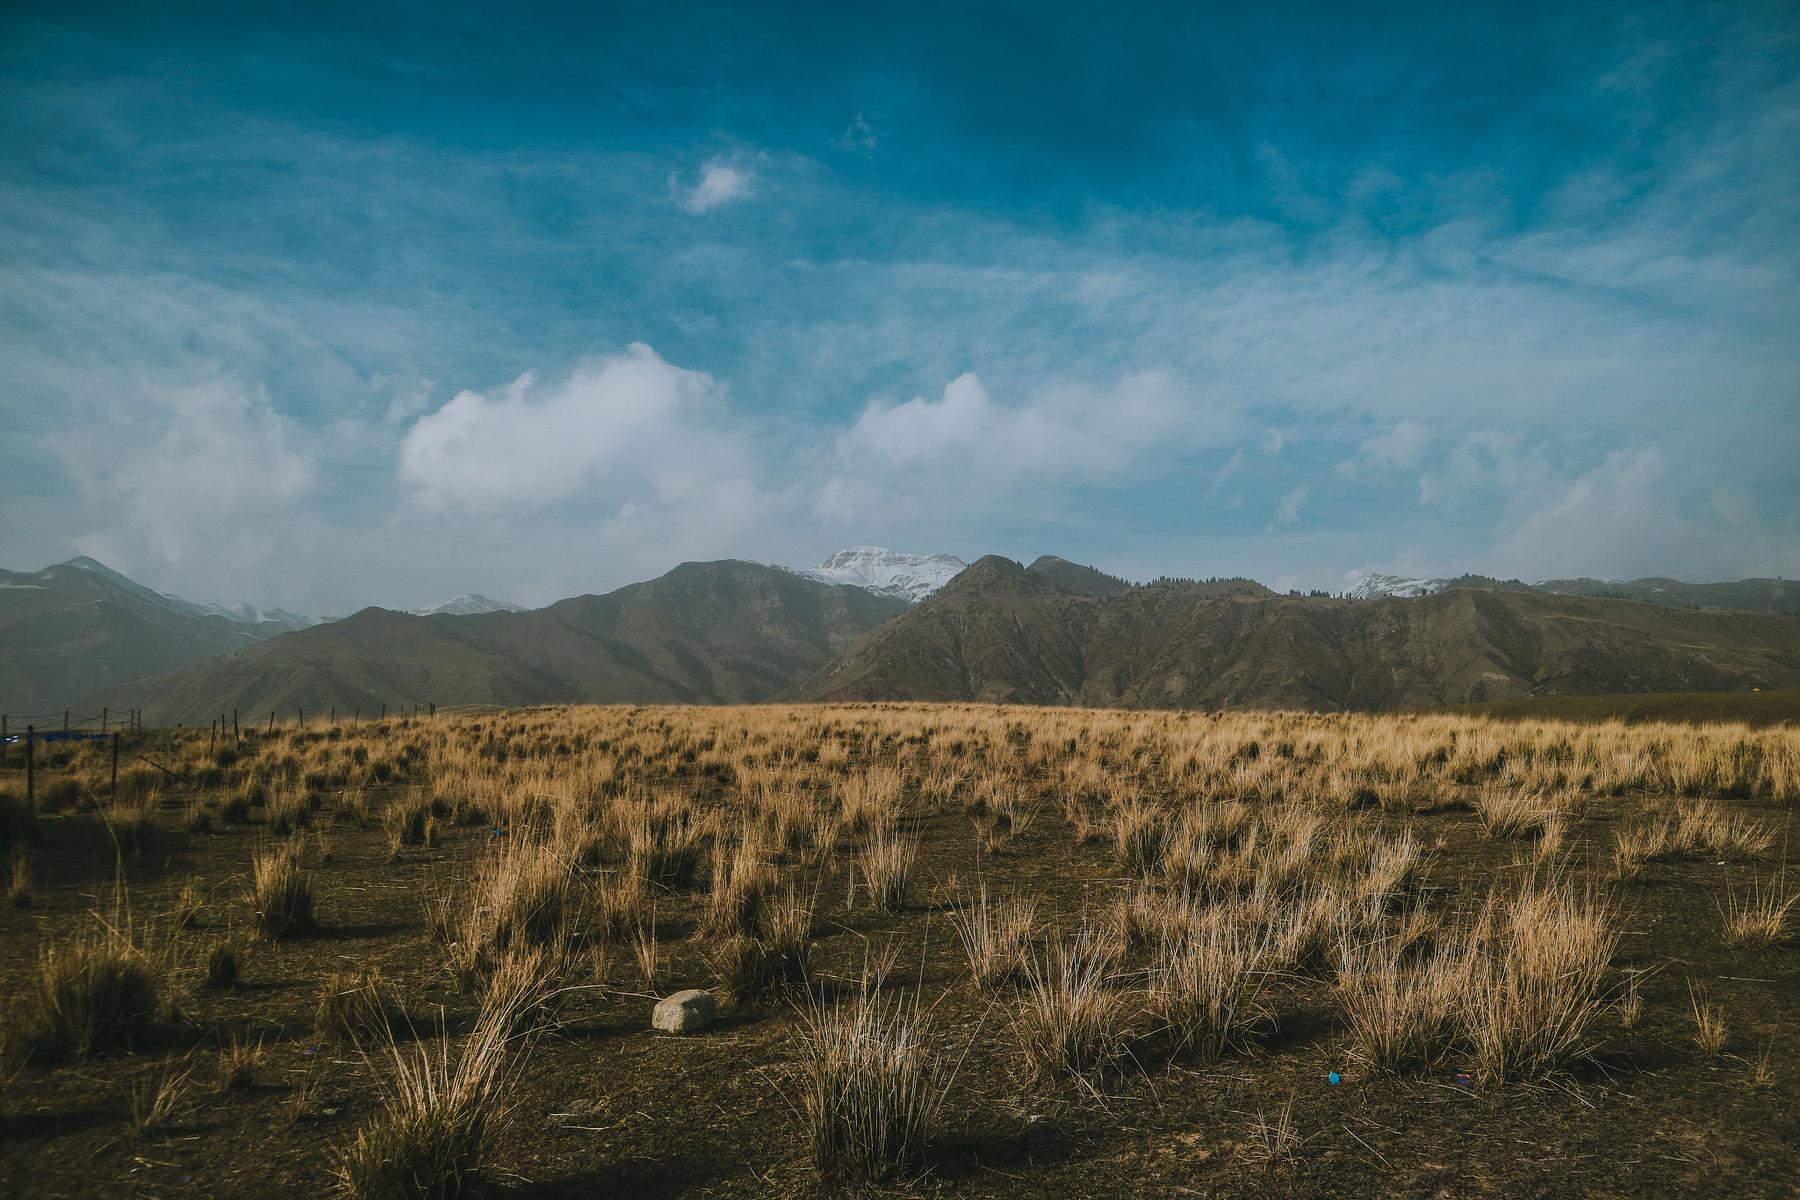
720	632
996	634
732	631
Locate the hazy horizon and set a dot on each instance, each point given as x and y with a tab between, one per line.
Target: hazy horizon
382	307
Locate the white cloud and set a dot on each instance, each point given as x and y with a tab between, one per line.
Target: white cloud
407	403
966	448
621	430
1288	511
1627	517
1232	466
1402	446
1483	462
201	479
720	184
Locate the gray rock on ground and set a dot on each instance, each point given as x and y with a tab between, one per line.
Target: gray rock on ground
684	1012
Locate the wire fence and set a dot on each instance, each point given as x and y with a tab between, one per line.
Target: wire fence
67	726
22	734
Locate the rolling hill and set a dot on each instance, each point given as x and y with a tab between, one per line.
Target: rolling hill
715	632
1002	632
1748	595
78	628
1694	708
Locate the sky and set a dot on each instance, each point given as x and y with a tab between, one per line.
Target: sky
323	306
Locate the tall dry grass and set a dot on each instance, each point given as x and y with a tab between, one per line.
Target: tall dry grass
871	1085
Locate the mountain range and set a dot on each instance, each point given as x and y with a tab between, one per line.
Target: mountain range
705	633
75	630
1752	595
872	624
1007	633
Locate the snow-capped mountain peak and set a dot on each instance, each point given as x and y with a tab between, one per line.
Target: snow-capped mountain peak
467	604
242	614
911	577
1369	585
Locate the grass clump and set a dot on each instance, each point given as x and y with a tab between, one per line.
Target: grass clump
996	937
281	894
132	825
1072	1024
1206	987
886	859
98	990
1759	917
358	1005
433	1137
1403	1014
520	900
1709	1022
776	959
1516	812
157	1099
223	967
871	1088
1534	981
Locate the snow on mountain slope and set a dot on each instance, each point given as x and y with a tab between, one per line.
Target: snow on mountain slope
249	614
467	604
1369	585
85	574
911	577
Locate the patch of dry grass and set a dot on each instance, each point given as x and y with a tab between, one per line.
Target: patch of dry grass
871	1086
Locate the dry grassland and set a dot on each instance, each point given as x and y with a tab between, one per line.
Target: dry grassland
955	949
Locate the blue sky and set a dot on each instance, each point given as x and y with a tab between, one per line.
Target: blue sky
347	307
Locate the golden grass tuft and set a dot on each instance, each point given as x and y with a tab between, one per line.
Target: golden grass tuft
1071	1024
996	937
1206	986
1534	983
886	859
433	1136
871	1089
281	896
98	989
1760	916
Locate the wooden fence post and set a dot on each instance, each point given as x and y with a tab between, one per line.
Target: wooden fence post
104	714
115	781
65	720
235	735
30	769
3	736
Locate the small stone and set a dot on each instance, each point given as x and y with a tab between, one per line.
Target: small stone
684	1012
